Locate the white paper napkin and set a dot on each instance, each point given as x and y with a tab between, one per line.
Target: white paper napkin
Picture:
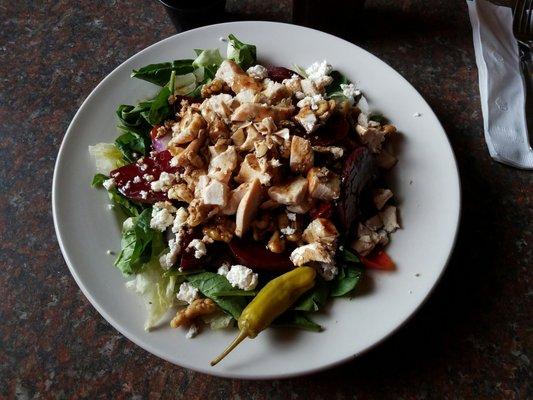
501	84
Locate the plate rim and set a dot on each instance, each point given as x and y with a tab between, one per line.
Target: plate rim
221	372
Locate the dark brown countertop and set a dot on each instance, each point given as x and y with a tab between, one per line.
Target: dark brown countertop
471	340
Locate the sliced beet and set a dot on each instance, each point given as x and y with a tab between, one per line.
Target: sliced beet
256	256
278	74
359	170
332	132
133	180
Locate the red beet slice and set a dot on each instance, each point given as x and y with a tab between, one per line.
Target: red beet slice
133	180
332	132
188	260
256	256
359	170
278	74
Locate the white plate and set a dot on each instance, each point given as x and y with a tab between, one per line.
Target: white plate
426	184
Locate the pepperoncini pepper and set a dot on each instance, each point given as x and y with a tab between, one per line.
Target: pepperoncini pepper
273	300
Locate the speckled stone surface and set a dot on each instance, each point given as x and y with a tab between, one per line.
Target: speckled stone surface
471	340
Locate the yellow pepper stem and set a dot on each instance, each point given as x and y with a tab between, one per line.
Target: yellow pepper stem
240	337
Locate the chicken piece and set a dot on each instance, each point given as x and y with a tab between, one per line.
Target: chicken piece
236	78
216	126
290	193
307	118
222	165
257	112
248	207
253	168
367	239
266	126
215	193
252	135
222	104
323	231
235	198
180	192
187	129
380	197
302	158
323	184
199	212
389	218
373	138
375	223
303	207
313	252
336	152
247	96
189	156
293	84
275	92
309	88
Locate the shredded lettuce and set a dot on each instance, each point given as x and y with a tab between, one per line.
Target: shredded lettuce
157	291
106	157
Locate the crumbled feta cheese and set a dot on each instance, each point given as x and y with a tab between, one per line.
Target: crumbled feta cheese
390	220
162	215
187	293
148	177
144	194
350	91
180	219
291	216
143	166
127	185
327	271
275	163
318	72
199	248
287	230
167	260
257	72
242	277
223	269
192	332
163	183
299	95
311	101
137	179
109	184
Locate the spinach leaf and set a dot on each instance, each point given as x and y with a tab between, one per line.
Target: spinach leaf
334	88
133	116
315	299
210	283
236	293
128	207
174	271
349	256
131	142
159	108
98	180
242	53
378	118
297	320
160	73
138	244
345	282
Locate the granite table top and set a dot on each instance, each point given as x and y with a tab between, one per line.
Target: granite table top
471	340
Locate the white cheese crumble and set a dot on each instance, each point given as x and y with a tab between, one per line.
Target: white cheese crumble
137	179
179	219
163	183
287	230
167	260
350	91
109	184
143	194
257	72
311	101
148	177
199	248
223	269
162	215
192	332
291	216
242	277
318	72
275	163
187	293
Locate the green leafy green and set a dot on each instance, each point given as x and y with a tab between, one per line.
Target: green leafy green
242	53
314	299
128	207
345	282
160	109
349	256
133	116
132	144
378	118
297	320
98	180
299	70
174	271
210	283
160	73
334	88
139	244
236	293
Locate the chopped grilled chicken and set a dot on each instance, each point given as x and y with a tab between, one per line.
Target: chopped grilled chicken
235	198
290	193
311	252
302	158
257	112
321	230
323	184
222	165
380	197
188	128
307	118
248	207
253	168
236	78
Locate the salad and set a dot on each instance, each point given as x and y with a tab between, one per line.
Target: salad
250	193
